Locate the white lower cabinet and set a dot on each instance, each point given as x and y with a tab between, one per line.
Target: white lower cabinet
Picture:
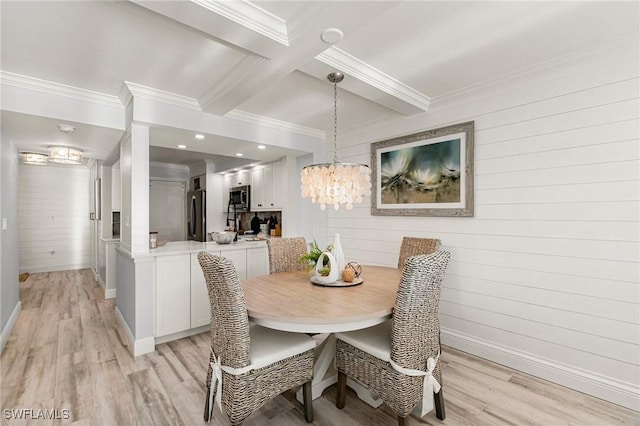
248	262
173	298
257	261
199	295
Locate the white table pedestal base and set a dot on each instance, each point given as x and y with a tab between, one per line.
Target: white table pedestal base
325	375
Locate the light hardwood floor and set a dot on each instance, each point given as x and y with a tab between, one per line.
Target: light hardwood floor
68	352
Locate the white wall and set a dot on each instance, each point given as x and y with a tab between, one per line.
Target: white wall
9	289
545	277
53	204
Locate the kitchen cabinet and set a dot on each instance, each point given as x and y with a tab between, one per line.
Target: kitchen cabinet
173	298
226	184
181	295
107	266
248	263
200	311
241	178
266	187
257	261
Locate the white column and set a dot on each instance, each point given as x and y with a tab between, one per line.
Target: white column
139	188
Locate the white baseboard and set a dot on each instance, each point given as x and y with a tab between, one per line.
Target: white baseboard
102	284
6	332
54	268
182	334
136	347
598	385
110	293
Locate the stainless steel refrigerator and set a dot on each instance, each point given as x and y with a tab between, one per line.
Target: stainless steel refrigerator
197	216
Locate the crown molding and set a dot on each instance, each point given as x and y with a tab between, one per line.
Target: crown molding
364	72
36	84
275	124
250	16
138	90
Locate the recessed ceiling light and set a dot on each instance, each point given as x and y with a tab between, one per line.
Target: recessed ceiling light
182	146
262	147
199	136
239	154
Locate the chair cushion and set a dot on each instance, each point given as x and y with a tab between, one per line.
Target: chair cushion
374	340
269	346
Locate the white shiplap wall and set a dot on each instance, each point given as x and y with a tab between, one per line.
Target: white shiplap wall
53	210
545	277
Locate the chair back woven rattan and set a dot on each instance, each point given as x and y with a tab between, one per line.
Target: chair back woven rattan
284	254
242	394
415	336
412	246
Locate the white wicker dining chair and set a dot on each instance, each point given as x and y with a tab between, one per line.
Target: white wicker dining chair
399	360
249	364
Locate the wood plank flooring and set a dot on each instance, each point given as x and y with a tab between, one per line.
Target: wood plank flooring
67	352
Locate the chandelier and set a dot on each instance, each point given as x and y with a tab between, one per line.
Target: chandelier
335	183
65	155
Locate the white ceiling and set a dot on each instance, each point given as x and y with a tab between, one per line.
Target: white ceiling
236	59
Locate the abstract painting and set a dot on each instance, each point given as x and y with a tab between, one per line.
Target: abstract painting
424	174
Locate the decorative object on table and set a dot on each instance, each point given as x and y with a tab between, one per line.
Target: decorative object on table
357	269
391	350
425	174
223	237
337	252
311	258
335	183
329	273
348	274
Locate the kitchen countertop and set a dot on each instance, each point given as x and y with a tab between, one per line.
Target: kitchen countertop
181	247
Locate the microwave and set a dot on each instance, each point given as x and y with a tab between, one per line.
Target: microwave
239	196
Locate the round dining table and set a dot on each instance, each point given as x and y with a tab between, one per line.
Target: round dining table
289	301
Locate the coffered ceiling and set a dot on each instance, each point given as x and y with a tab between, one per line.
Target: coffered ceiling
265	61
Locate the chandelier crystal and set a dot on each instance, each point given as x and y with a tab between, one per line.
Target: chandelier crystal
65	155
335	183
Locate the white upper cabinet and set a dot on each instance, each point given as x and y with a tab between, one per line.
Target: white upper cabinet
266	188
243	177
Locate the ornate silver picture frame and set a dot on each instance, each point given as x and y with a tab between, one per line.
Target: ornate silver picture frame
424	174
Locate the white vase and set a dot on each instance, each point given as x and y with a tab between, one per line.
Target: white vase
338	254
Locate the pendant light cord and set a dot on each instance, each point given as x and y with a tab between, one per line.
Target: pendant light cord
335	123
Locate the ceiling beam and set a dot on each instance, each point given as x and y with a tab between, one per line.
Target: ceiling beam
273	51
